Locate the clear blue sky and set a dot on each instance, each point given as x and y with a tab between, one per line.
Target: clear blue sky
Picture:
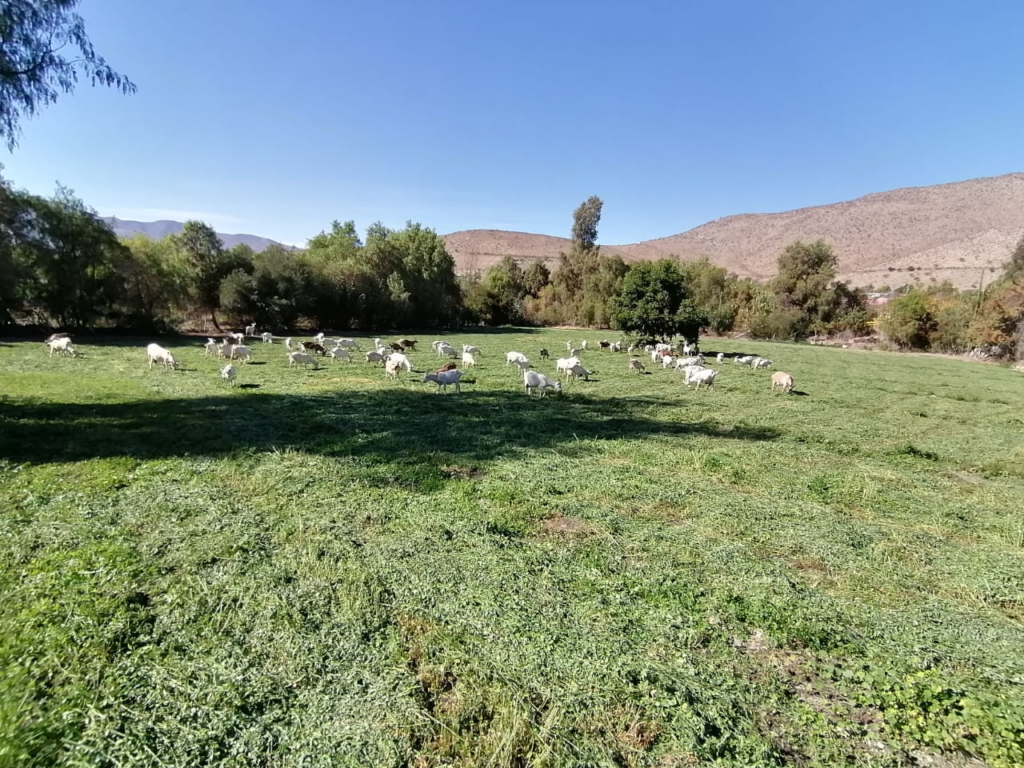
276	118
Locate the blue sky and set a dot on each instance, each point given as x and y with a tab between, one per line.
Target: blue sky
276	118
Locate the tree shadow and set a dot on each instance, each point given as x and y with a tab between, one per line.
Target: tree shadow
389	426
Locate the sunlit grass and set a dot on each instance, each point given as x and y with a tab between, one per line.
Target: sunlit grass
327	568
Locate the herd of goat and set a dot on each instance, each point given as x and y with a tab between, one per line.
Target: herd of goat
683	357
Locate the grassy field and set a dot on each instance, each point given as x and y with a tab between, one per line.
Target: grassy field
318	568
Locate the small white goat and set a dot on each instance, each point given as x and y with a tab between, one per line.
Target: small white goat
578	372
374	357
721	357
250	330
635	366
210	346
445	378
400	360
705	376
444	349
228	373
563	364
686	362
744	360
391	368
468	361
583	345
62	346
783	381
158	354
534	380
472	350
348	344
239	352
288	343
514	357
667	360
761	362
319	338
238	337
340	354
302	359
268	338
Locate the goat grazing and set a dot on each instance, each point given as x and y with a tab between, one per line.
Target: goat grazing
239	352
268	338
158	354
783	381
635	366
301	358
468	361
444	378
533	380
228	373
338	353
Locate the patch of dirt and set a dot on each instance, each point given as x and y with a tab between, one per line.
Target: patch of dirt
567	525
454	472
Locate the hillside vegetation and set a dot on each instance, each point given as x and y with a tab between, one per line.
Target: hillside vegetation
325	568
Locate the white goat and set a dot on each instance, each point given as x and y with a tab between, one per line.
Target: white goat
374	357
705	376
744	360
238	337
268	338
472	350
635	366
210	346
721	357
391	368
583	345
302	359
468	361
348	344
288	343
578	372
686	362
319	338
158	354
238	352
340	354
513	357
533	380
62	346
445	378
228	373
400	360
666	361
444	349
250	330
782	380
563	364
761	362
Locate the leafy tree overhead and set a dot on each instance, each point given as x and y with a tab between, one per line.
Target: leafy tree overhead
653	304
44	50
584	224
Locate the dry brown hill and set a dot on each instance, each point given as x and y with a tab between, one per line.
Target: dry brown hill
948	231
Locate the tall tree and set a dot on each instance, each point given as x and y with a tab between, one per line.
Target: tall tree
653	304
43	52
584	224
203	250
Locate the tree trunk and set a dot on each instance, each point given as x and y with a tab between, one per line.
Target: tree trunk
213	318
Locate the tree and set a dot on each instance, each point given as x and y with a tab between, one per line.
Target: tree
584	224
34	70
712	290
653	304
535	277
807	297
1015	267
908	320
203	250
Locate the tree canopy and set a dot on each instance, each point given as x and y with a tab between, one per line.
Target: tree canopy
44	50
584	224
653	304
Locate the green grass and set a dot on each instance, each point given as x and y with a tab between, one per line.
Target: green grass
325	568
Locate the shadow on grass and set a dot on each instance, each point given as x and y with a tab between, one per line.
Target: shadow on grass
386	426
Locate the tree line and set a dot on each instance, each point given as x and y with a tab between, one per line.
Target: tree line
63	266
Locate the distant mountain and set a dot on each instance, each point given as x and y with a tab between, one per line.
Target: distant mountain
159	229
944	232
952	232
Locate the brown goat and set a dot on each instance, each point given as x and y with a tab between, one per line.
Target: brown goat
408	344
446	367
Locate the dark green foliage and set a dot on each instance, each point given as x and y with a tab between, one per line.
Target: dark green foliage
536	277
43	52
654	304
497	298
907	321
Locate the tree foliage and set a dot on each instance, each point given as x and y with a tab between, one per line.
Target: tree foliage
584	224
1014	270
44	50
653	304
